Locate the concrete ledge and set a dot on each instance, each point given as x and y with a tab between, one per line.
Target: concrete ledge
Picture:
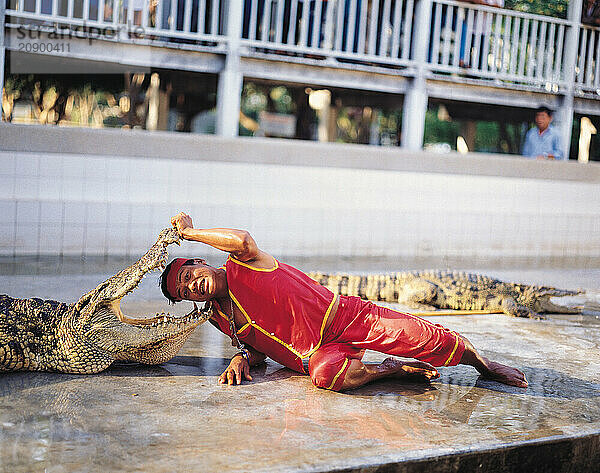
579	454
143	144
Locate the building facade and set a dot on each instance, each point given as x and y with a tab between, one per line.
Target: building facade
416	51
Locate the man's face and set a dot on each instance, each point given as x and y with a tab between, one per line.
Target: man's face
542	120
197	282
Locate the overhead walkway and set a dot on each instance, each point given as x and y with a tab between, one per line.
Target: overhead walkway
419	49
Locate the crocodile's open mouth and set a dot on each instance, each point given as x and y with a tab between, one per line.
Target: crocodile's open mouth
104	302
162	319
143	339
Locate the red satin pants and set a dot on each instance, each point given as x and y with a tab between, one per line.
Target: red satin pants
360	325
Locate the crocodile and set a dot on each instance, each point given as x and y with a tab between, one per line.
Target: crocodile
435	289
88	336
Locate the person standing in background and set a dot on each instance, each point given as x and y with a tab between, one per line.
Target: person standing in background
543	141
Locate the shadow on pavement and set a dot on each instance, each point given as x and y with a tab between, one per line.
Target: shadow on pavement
548	383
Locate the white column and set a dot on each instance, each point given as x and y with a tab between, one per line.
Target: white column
415	101
564	115
229	91
2	49
413	115
564	122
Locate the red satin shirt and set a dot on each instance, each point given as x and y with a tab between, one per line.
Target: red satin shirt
285	311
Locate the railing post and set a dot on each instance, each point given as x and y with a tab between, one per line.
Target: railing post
415	101
229	91
570	52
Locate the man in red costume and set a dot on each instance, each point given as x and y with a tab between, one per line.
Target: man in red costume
278	311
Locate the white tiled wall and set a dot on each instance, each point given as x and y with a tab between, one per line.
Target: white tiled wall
81	204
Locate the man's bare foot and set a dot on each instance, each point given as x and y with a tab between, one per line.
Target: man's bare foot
505	374
490	369
359	374
410	369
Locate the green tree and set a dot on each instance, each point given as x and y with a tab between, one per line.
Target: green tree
557	9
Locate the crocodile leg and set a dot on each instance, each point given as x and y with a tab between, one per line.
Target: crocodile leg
14	356
419	294
510	307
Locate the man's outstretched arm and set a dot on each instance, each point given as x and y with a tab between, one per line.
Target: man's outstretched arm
237	242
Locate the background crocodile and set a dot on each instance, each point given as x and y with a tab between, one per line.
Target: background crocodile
88	336
450	290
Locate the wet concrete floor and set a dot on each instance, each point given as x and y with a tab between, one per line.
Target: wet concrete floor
175	417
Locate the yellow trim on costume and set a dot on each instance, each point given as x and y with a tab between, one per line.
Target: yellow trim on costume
244	327
327	312
453	351
338	375
246	265
239	330
417	316
272	337
222	315
260	329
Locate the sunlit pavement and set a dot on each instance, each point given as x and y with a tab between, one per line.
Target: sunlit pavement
175	417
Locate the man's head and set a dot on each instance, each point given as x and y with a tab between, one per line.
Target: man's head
191	279
543	117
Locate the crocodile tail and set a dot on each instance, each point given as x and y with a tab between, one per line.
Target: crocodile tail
342	284
373	287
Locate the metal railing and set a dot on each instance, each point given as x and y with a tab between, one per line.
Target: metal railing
363	30
481	42
164	20
587	69
497	44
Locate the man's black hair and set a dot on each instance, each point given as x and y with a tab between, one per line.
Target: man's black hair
543	108
162	280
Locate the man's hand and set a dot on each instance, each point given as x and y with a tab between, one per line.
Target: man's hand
238	368
181	221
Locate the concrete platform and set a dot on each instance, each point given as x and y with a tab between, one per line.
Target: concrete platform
175	417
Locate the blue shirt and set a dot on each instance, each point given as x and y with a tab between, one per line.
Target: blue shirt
546	143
